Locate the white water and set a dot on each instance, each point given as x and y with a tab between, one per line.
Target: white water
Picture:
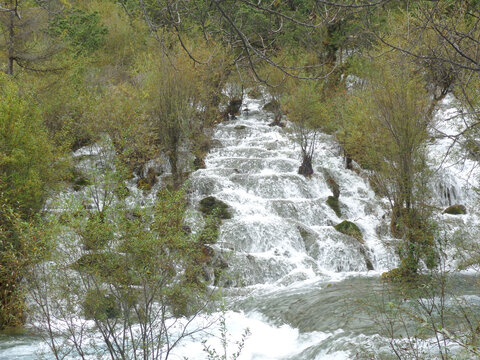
294	280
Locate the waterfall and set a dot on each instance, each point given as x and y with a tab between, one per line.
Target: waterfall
282	227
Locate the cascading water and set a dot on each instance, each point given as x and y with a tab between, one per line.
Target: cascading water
285	249
297	283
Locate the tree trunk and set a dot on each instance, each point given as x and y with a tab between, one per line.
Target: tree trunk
306	169
348	162
11	36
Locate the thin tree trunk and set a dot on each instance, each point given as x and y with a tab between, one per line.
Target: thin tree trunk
11	35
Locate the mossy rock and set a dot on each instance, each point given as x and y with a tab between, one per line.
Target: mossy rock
100	305
332	201
240	127
148	181
214	207
455	210
144	185
349	228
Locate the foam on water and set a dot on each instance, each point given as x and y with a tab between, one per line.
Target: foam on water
294	273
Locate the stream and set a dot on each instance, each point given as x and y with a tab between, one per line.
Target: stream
301	287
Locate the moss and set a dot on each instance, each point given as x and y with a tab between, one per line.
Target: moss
148	181
455	210
240	127
349	228
217	208
334	205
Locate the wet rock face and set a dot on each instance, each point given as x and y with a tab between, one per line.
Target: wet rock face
455	210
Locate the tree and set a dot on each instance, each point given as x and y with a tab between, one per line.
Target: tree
122	281
388	123
256	31
25	42
173	103
307	106
26	173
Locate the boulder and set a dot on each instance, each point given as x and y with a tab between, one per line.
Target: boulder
349	228
456	210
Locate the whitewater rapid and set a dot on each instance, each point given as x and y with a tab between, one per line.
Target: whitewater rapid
299	286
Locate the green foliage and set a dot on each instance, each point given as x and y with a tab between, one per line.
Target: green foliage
26	152
22	245
97	233
100	306
217	208
83	31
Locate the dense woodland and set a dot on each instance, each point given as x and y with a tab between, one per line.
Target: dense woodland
151	78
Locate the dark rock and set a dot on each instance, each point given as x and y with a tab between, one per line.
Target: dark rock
368	262
349	228
456	210
280	123
332	184
240	127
